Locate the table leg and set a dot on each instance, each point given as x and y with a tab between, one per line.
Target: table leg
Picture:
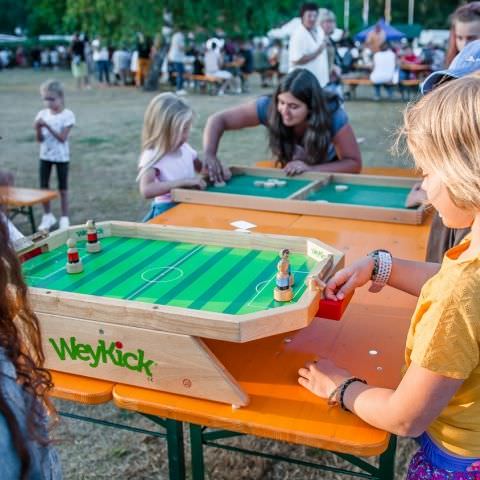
176	454
196	443
386	467
32	218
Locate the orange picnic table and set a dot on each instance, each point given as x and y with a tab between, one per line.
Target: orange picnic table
369	341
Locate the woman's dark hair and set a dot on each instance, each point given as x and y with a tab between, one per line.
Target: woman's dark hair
20	340
470	12
304	86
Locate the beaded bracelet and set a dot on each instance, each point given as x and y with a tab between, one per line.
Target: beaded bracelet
332	398
343	388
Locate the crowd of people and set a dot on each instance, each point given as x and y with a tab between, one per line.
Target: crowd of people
314	45
307	130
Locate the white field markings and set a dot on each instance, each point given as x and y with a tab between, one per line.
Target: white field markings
260	287
160	275
165	271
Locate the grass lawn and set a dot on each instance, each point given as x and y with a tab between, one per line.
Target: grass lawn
105	145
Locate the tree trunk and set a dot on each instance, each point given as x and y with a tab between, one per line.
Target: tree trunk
151	82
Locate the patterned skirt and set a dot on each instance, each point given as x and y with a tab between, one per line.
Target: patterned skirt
432	463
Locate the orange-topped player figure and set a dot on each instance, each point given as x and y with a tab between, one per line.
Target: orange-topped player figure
74	263
93	243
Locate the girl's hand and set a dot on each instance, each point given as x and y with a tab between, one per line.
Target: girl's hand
214	168
295	167
322	377
349	278
196	182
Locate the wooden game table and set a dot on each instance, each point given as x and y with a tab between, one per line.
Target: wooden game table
338	195
369	340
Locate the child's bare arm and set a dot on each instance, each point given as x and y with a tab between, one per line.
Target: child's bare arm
198	165
406	275
150	187
38	132
60	136
410	276
406	411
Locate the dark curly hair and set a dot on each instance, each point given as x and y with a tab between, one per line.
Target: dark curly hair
304	86
20	340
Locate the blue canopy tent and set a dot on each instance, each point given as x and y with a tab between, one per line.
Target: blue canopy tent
391	33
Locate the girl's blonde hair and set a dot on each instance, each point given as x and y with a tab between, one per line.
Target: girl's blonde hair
164	122
443	134
53	86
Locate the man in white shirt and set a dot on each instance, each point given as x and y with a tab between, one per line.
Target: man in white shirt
307	47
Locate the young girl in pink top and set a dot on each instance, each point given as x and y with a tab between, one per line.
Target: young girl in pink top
167	160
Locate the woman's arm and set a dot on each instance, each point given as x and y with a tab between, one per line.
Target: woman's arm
232	119
348	153
406	411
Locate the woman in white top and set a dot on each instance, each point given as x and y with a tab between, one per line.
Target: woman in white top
384	71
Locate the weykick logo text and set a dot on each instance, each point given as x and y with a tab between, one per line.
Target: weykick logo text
102	354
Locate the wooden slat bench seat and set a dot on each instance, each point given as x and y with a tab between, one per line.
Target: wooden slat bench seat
353	83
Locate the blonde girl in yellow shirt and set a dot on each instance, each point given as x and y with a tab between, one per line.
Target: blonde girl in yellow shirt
438	399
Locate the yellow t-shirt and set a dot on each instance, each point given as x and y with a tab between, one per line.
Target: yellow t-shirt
444	337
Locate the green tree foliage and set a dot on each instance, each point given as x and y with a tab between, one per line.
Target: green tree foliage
120	19
45	16
113	19
13	15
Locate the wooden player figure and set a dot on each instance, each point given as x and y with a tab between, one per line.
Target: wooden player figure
285	253
93	243
283	290
74	263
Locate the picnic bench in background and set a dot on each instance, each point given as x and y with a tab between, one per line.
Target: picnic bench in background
407	86
20	201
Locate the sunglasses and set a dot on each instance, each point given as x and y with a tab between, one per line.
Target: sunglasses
49	99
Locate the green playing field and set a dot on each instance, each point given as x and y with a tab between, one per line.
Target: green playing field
244	185
202	277
368	195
